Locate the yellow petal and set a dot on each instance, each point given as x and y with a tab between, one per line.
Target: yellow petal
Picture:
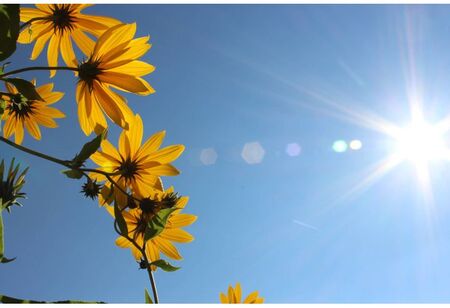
81	97
40	44
152	251
167	248
52	52
166	155
152	144
124	144
106	22
45	121
135	68
108	104
223	298
251	297
84	42
238	293
182	220
52	98
124	82
33	128
231	298
8	129
135	135
45	89
164	170
177	235
67	52
123	242
95	24
109	149
127	52
47	8
18	133
27	13
35	31
113	37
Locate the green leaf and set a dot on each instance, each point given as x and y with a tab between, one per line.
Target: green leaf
123	228
156	225
12	300
25	88
164	265
88	149
73	173
148	299
9	29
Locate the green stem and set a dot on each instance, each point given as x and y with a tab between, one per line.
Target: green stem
65	163
39	68
150	276
149	268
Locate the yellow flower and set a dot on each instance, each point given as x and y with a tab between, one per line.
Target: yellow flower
234	296
21	113
137	167
137	221
59	24
113	63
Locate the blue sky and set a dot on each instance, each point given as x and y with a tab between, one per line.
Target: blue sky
292	227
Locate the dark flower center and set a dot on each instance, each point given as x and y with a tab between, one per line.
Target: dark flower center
128	168
20	107
148	206
88	72
62	17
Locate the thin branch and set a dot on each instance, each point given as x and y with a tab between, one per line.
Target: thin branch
38	68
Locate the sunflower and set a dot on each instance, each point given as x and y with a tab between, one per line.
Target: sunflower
59	24
134	166
113	63
21	113
234	296
137	220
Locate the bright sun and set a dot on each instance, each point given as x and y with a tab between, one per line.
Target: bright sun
420	143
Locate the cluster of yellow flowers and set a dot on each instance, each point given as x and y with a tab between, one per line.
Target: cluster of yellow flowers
127	180
112	63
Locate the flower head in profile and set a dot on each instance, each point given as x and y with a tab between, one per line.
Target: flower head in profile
138	218
59	24
21	113
112	64
11	185
234	296
136	166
